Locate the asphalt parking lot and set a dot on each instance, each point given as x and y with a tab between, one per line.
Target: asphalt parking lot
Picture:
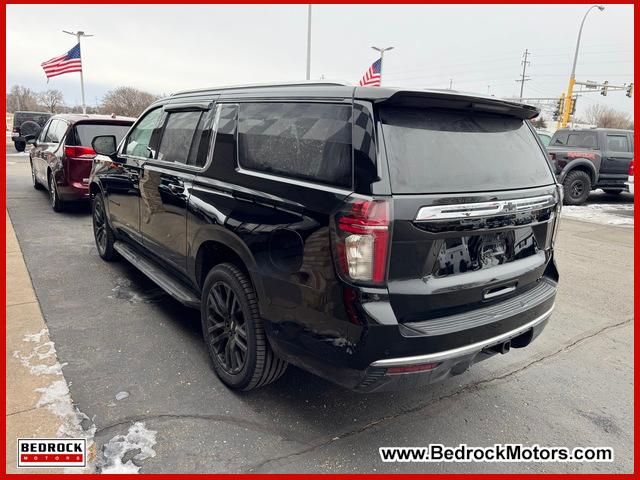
115	332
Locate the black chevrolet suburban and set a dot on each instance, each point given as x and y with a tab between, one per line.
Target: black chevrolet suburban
376	237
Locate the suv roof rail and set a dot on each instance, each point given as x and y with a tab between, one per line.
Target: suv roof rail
302	83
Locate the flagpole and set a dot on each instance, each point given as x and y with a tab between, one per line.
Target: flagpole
79	34
381	50
309	43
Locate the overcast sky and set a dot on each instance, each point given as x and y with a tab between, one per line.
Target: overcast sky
166	48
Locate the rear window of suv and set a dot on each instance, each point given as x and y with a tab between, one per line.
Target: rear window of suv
449	151
85	132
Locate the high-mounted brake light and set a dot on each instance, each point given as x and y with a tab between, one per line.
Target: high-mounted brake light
362	240
79	152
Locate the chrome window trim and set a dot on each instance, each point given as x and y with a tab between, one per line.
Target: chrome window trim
484	209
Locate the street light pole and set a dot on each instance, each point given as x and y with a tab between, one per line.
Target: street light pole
79	34
309	43
381	50
566	110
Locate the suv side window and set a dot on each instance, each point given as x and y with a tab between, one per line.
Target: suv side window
202	138
178	136
617	143
139	142
559	138
308	141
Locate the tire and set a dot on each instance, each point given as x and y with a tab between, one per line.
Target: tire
20	146
102	233
230	319
612	191
54	197
577	186
36	183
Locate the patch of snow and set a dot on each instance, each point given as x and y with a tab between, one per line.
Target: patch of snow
55	396
139	439
42	351
602	213
34	337
122	395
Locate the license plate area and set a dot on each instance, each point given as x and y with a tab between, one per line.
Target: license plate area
470	253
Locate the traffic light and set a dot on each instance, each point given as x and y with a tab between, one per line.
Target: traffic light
574	101
605	88
559	107
630	90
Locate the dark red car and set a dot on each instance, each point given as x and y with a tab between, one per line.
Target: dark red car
62	156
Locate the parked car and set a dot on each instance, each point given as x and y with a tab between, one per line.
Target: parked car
544	136
27	123
630	177
376	237
62	155
587	159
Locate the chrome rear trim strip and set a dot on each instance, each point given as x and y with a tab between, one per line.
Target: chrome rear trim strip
484	209
461	351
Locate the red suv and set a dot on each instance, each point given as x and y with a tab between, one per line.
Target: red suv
62	155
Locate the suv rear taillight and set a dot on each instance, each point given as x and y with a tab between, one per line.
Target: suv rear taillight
16	129
631	168
79	152
361	240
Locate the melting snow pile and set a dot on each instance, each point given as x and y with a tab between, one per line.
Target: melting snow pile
601	213
124	453
55	396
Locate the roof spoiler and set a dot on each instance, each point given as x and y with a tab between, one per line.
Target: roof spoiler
459	101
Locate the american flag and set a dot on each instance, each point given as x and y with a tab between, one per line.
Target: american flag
69	62
371	77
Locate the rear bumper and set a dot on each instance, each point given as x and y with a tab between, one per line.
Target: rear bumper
382	354
448	363
74	191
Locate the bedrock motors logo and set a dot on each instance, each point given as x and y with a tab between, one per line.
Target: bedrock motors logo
52	452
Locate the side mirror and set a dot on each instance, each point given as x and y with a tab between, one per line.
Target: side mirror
105	145
31	139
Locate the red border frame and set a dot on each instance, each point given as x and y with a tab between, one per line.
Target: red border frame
294	476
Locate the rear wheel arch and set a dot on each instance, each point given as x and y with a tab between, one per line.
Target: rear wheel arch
211	253
583	165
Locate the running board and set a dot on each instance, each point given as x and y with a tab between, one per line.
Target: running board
159	276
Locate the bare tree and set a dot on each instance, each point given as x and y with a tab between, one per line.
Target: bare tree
607	117
21	98
51	99
127	101
539	122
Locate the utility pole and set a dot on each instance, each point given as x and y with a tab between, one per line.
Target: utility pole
381	50
79	34
309	42
523	76
566	112
451	84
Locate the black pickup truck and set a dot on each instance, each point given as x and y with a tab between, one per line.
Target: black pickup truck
591	158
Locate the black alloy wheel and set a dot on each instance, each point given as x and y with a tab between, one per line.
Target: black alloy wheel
234	332
226	327
102	232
